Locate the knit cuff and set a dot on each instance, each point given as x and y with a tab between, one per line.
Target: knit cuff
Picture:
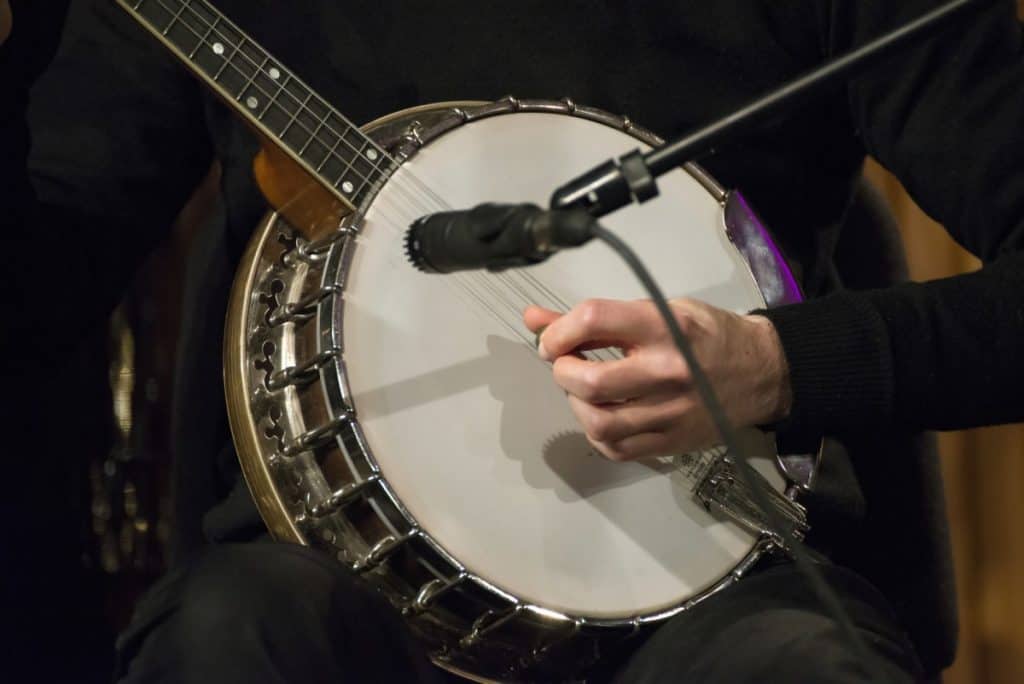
840	364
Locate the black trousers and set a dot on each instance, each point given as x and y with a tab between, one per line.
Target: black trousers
267	612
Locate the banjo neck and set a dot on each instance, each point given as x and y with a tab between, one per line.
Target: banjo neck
268	96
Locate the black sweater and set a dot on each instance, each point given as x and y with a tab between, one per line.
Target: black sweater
122	135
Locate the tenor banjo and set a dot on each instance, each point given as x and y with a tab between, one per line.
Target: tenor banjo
403	423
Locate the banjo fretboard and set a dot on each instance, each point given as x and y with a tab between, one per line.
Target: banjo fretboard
267	94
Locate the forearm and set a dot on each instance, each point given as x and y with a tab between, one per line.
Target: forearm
937	355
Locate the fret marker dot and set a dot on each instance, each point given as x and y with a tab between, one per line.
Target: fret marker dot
218	48
347	187
274	73
371	154
251	102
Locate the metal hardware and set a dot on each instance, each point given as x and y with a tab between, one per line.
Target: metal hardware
317	250
488	622
341	497
303	253
538	653
304	309
381	550
413	134
316	437
430	592
301	374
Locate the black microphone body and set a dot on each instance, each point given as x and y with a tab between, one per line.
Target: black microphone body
493	236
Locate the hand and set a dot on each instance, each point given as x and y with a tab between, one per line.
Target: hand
645	404
5	20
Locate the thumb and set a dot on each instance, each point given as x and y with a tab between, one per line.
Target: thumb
537	318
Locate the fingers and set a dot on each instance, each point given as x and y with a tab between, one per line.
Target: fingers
612	423
537	318
641	374
600	322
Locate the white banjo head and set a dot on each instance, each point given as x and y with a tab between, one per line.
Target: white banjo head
463	418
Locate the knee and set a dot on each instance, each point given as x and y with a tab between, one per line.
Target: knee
258	593
800	646
259	612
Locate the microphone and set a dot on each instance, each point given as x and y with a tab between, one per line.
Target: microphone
493	236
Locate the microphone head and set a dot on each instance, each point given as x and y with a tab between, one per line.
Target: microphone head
414	246
490	236
493	236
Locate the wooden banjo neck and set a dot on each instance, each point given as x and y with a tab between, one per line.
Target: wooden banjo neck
315	166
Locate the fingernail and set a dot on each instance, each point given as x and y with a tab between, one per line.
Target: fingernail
538	344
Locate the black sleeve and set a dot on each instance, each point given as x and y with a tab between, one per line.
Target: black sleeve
118	143
946	118
945	354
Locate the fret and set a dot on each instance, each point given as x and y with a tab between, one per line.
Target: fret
183	31
204	38
174	19
275	116
312	138
203	13
343	182
219	50
249	95
316	149
297	96
298	112
155	13
322	139
351	137
253	53
331	151
362	166
268	80
356	144
333	165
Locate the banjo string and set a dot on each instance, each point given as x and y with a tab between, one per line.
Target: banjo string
518	282
526	286
504	287
483	289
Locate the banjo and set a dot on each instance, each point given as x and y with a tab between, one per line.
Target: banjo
403	423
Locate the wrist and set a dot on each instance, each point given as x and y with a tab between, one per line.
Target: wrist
774	390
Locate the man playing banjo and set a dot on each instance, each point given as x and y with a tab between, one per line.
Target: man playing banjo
860	368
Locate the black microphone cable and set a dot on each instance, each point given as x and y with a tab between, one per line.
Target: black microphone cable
773	521
497	237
